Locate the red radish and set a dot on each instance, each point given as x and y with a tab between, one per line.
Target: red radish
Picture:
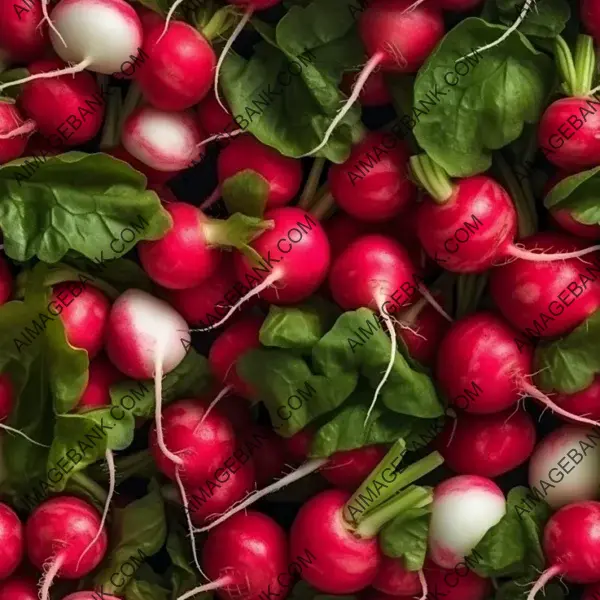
586	402
11	542
206	302
14	131
464	508
69	108
346	563
6	281
392	578
232	344
347	469
298	446
57	533
179	72
576	480
154	177
246	153
165	141
570	224
547	299
473	226
244	558
19	588
6	396
375	91
571	545
380	191
397	40
147	17
487	445
270	460
457	583
590	17
22	37
102	374
84	315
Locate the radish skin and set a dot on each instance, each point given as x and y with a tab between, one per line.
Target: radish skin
12	546
583	403
393	579
11	146
19	588
349	468
101	376
23	37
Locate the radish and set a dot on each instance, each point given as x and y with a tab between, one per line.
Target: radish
84	315
180	69
298	446
570	224
547	299
590	17
244	558
481	369
271	461
472	223
165	141
375	272
232	344
487	445
57	532
347	469
571	545
11	542
71	106
19	588
246	153
154	177
215	120
396	40
14	131
464	508
23	37
566	466
6	281
373	192
374	93
458	583
392	578
102	375
79	30
586	402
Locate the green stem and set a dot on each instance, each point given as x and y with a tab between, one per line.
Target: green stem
412	497
131	102
222	20
432	177
312	183
566	65
585	65
87	484
110	133
321	208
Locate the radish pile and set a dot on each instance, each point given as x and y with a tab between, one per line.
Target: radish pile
299	299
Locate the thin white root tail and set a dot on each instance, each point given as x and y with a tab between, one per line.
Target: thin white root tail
371	65
412	7
50	23
212	199
428	296
270	280
547	575
213	585
48	577
549	257
390	327
112	478
220	396
424	590
305	469
219	136
168	19
26	129
236	32
12	430
84	64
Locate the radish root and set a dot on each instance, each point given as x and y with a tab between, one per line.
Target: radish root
26	128
213	585
219	397
12	430
548	257
423	584
218	136
49	576
547	575
78	68
50	23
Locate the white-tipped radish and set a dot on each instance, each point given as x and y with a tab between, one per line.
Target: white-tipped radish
464	508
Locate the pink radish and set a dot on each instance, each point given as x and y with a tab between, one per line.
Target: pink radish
571	545
6	281
548	299
459	582
165	141
12	545
179	72
392	578
374	93
14	131
71	105
397	40
102	375
57	533
19	588
23	37
487	445
464	508
380	191
246	153
231	345
84	315
590	16
472	225
565	466
347	469
586	402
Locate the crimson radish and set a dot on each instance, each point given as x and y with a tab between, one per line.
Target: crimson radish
23	37
380	192
349	468
374	92
586	402
570	224
165	141
590	16
565	466
102	374
11	541
455	583
392	578
298	446
246	153
14	132
179	72
19	588
487	445
57	533
571	545
464	508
